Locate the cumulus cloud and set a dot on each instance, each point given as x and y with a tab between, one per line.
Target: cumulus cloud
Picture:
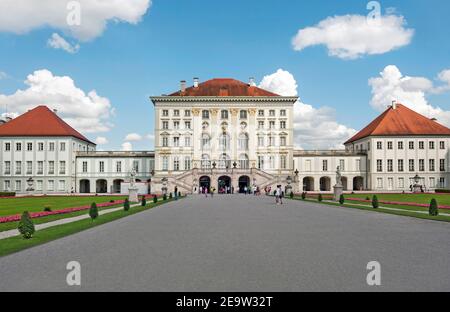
282	81
127	147
85	112
314	128
101	140
352	36
133	137
58	42
23	16
411	91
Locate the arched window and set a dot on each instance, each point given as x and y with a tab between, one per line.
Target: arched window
224	142
224	161
243	141
243	161
206	141
206	163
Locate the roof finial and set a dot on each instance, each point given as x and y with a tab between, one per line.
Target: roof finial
394	104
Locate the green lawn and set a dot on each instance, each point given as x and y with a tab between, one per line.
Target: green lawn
17	243
12	206
442	199
405	210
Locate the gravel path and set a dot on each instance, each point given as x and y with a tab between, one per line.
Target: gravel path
241	243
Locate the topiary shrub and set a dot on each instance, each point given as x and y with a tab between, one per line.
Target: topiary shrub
155	199
375	203
47	209
26	226
291	195
434	209
179	194
144	201
304	195
367	198
341	199
170	195
320	198
93	211
126	204
165	197
111	201
275	193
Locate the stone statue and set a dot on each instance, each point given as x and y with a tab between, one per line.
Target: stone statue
133	177
338	176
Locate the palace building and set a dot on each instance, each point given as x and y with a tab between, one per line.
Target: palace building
225	134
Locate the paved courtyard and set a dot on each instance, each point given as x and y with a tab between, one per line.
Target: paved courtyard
241	243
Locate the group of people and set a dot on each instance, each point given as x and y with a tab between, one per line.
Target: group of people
251	190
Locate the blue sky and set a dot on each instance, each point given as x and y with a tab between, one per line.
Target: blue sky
180	39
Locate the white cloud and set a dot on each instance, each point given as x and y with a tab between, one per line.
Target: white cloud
85	112
23	16
314	128
101	140
352	36
282	81
133	137
127	147
150	137
3	75
411	91
58	42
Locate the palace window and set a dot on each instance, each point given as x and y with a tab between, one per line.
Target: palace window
165	141
260	124
187	113
282	124
62	146
400	145
260	141
187	163
176	141
283	141
187	141
165	163
260	162
224	114
101	167
379	145
431	164
243	114
271	141
243	161
176	163
187	125
7	169
431	145
40	146
261	113
206	141
442	145
40	167
421	145
224	142
283	162
442	165
18	167
7	147
389	145
176	125
411	165
51	167
400	165
324	165
62	167
165	125
119	167
176	113
18	147
205	114
243	141
224	161
29	147
283	113
29	167
271	124
85	167
272	113
421	165
206	163
411	145
379	165
165	113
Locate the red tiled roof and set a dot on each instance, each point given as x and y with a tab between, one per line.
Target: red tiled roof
399	122
224	87
40	121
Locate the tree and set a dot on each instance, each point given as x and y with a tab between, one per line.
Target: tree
170	195
341	199
126	204
165	197
26	226
144	201
375	203
93	212
155	199
320	198
304	195
291	195
434	209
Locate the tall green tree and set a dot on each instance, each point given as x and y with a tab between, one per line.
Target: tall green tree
93	211
434	209
26	226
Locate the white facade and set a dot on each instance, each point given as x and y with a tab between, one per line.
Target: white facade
393	162
49	161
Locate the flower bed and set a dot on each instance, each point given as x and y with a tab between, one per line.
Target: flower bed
386	202
40	214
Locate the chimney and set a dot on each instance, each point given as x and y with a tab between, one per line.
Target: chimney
196	82
55	111
183	86
252	82
394	104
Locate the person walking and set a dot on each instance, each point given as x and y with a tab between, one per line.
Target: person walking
279	195
245	190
